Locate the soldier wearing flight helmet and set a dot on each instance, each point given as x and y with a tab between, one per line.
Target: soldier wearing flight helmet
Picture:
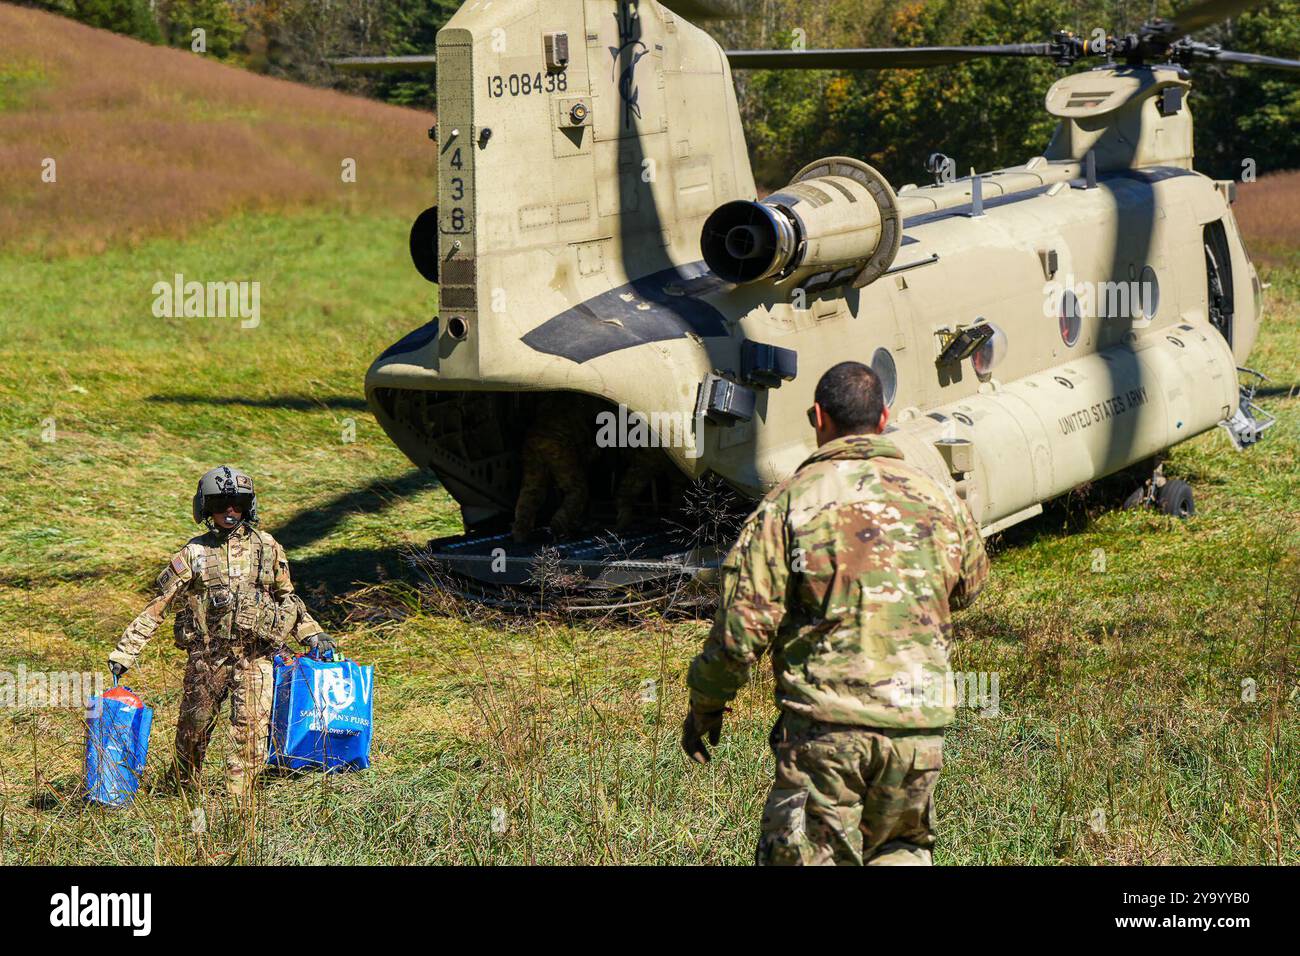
235	607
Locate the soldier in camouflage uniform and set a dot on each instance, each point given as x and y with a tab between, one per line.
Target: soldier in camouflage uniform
237	608
848	571
558	447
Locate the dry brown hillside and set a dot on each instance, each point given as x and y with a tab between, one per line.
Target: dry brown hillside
1269	214
152	141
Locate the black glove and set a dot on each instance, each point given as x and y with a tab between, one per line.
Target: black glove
697	725
116	669
321	645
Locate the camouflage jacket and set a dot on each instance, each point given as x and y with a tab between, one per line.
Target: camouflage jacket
848	571
234	593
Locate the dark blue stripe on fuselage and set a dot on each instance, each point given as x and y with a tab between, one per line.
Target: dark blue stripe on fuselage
654	308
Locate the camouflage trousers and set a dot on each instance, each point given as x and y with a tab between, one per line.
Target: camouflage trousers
209	679
850	796
546	461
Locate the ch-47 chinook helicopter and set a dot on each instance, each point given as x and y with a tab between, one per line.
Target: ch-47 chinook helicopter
597	232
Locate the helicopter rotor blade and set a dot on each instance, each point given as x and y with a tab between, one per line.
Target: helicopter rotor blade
878	58
383	64
1201	15
1160	37
699	10
1254	59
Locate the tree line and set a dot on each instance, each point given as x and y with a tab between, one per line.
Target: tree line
990	113
984	113
291	39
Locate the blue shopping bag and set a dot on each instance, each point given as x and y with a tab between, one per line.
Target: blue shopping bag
321	717
117	743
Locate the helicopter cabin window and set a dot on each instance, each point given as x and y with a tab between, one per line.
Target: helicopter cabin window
1218	278
1071	320
985	358
882	363
1148	301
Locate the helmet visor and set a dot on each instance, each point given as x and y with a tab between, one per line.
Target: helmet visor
215	504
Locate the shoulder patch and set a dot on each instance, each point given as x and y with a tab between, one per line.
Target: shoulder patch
178	569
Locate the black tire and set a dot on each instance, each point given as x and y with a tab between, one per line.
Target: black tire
1175	498
424	243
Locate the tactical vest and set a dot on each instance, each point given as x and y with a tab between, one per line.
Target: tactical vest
229	603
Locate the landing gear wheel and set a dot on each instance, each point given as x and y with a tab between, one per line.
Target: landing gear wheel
1175	498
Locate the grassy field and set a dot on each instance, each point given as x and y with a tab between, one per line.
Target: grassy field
1121	692
1147	711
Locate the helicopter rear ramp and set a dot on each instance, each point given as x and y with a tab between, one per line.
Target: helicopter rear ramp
604	571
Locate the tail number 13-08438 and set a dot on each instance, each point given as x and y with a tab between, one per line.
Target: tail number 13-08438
522	84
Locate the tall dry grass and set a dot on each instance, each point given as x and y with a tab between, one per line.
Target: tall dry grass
150	141
1268	212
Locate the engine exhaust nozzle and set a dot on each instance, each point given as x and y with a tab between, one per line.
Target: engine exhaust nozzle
836	223
747	241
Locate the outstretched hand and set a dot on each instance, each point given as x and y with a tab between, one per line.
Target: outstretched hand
697	726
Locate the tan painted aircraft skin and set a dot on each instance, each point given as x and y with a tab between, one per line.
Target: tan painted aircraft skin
572	198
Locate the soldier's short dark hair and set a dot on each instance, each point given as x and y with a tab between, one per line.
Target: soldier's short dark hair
851	395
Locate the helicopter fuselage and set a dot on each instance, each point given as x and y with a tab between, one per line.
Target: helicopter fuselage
583	146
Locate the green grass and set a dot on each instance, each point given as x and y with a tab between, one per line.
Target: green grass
18	80
1121	691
